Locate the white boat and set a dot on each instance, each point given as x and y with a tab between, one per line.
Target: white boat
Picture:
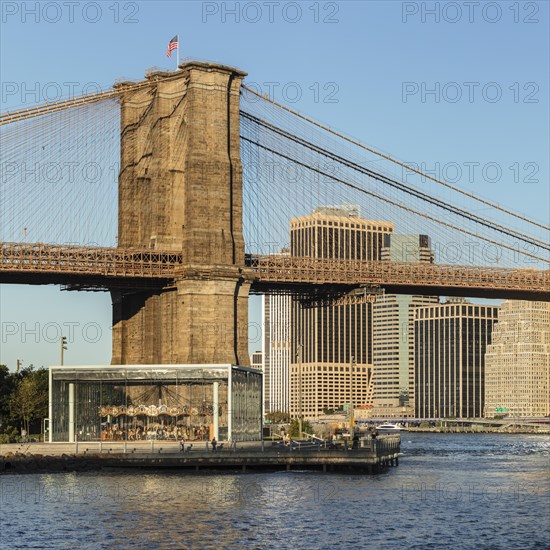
389	428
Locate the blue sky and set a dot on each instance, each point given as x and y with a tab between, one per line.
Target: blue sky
352	62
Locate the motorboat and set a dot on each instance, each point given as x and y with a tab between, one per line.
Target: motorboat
389	428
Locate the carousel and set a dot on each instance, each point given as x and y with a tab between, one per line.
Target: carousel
171	420
154	402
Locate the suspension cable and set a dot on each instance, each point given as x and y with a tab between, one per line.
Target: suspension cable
63	104
395	161
385	199
397	184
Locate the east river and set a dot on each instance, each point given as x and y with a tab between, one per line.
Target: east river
449	491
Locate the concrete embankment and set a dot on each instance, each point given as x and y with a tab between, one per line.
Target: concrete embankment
59	458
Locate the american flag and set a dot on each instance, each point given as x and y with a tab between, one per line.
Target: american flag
172	45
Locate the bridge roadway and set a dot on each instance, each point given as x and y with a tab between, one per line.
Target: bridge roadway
104	268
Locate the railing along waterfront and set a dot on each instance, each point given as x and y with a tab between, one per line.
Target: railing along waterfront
371	457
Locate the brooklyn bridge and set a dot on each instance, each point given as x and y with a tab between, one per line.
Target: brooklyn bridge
176	193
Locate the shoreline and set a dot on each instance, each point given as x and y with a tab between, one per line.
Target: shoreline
449	430
59	457
330	462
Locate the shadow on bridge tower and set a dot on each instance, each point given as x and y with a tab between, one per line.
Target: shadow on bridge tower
180	189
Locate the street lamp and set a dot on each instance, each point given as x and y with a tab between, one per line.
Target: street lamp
63	348
351	416
299	358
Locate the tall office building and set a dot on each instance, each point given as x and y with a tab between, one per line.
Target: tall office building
517	363
338	232
393	333
450	344
276	347
407	248
256	360
333	341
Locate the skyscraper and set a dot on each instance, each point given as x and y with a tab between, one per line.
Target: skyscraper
338	232
393	332
517	363
257	362
332	344
276	347
450	344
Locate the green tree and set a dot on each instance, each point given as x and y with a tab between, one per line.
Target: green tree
29	399
8	424
294	430
7	385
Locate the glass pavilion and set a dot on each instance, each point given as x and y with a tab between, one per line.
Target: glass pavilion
161	402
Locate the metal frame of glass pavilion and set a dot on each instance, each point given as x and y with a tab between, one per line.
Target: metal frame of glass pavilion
164	402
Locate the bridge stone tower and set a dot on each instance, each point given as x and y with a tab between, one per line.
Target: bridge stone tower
180	189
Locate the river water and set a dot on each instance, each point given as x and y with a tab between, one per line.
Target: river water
450	490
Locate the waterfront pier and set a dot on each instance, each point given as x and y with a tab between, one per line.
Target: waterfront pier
372	456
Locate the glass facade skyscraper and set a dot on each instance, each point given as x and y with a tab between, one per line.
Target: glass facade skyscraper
450	344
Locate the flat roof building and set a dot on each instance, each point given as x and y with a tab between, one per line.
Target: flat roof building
517	362
450	344
277	349
338	232
393	332
334	342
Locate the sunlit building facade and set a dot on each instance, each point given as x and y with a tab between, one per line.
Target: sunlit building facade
333	342
517	362
257	360
393	333
276	347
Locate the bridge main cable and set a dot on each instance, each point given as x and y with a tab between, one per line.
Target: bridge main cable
393	160
64	104
377	196
399	185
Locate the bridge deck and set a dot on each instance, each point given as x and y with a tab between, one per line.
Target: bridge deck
37	263
404	278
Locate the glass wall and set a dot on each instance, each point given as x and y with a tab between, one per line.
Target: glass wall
246	405
169	403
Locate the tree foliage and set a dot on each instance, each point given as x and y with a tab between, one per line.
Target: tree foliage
23	401
294	430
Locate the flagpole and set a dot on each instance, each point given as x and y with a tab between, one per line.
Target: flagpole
178	53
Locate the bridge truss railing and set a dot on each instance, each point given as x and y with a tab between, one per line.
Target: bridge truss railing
271	270
94	261
302	270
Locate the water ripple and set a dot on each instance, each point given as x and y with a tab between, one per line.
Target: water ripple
458	490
